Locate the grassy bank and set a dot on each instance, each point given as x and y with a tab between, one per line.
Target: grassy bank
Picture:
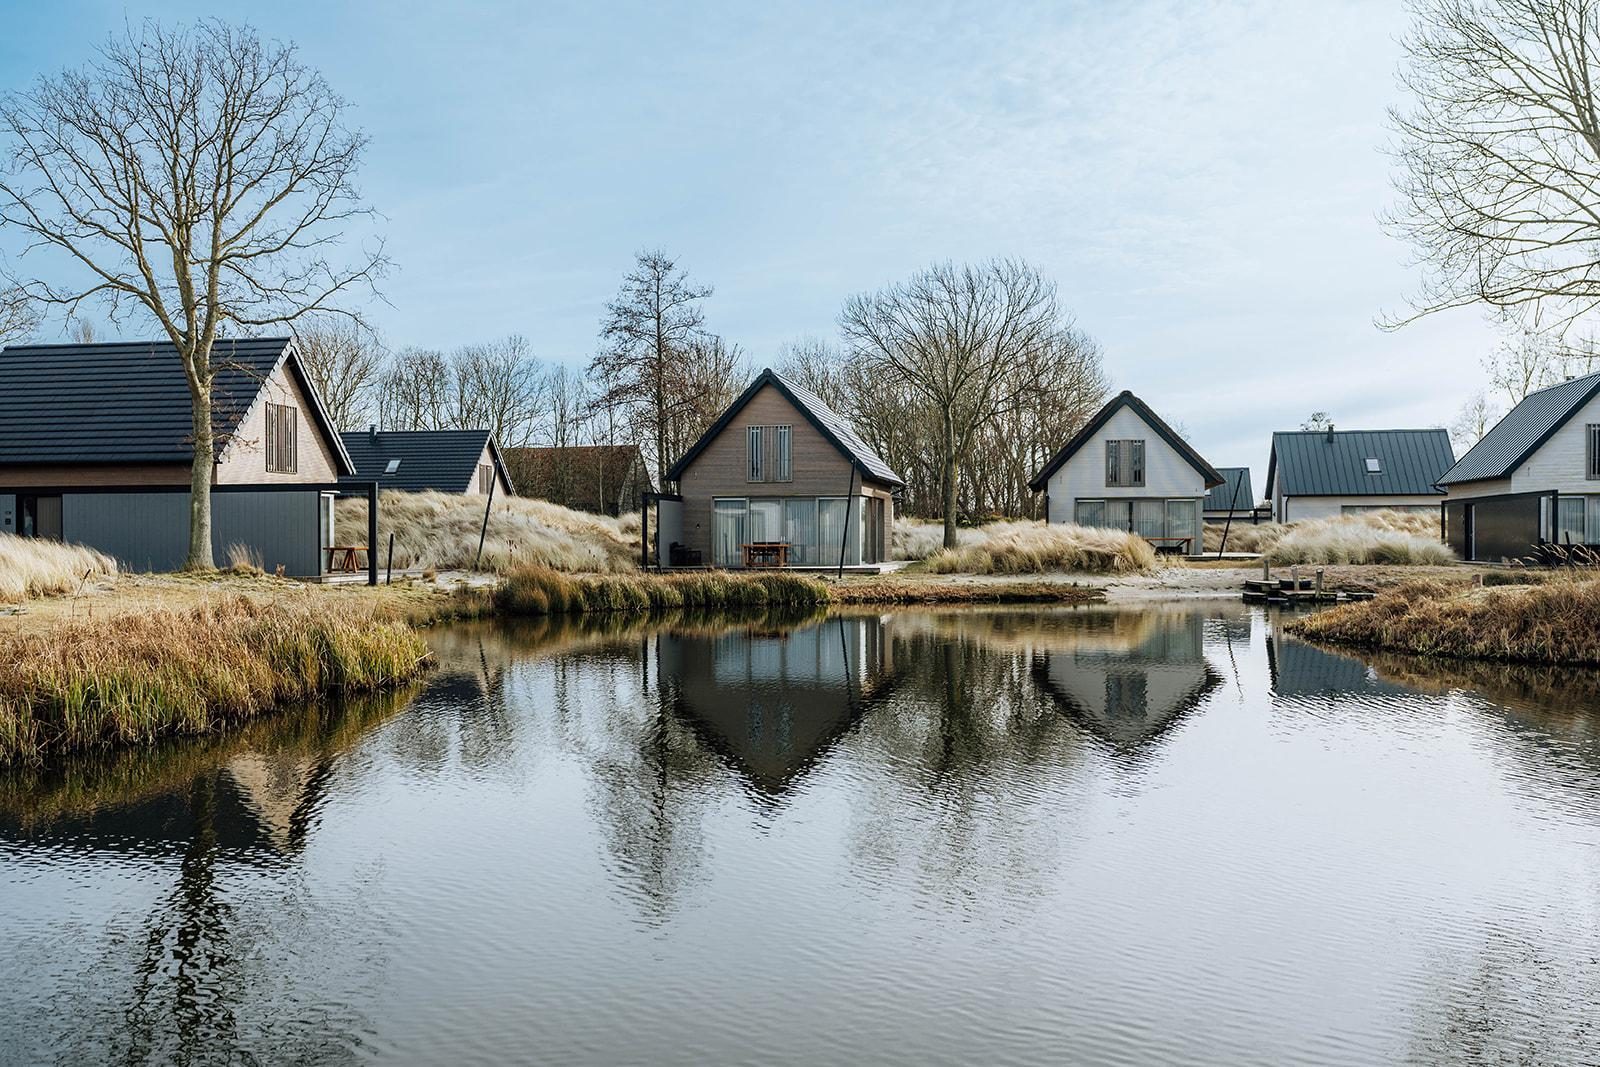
1023	548
135	677
542	591
891	589
440	530
33	567
1556	621
1377	537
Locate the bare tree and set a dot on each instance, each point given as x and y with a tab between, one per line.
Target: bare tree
1318	420
1524	361
18	314
1473	421
500	387
956	336
200	177
415	391
345	363
710	375
1499	154
568	407
646	334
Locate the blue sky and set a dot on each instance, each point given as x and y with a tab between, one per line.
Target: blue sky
1202	180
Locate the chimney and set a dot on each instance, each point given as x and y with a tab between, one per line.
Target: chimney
1330	433
372	430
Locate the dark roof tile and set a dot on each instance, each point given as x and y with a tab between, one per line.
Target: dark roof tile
1523	429
1334	463
445	460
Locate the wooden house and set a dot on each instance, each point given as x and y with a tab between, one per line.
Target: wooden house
779	479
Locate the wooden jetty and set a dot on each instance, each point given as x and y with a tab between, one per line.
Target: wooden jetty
1297	590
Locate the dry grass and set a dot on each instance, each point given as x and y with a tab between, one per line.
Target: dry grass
31	567
1392	537
440	530
1037	548
536	591
133	678
894	590
1552	622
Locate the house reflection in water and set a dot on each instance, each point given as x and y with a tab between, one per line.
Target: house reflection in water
771	703
1304	673
1126	677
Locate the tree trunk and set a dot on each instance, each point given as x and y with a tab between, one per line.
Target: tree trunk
200	558
949	485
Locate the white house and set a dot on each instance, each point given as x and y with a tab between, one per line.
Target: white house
1321	474
1128	470
1533	479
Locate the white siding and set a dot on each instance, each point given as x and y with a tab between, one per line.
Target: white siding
1167	475
1559	463
1468	490
1328	507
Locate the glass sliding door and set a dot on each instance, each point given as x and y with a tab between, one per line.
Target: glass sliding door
832	515
728	532
765	522
1183	520
800	523
1150	518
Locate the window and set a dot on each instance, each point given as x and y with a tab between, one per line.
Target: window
485	477
1591	436
767	454
1089	513
393	465
1124	463
728	532
282	455
783	469
1373	466
755	447
1569	520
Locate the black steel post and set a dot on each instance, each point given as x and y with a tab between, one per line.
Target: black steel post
372	533
485	531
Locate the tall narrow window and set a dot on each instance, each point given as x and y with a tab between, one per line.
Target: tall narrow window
485	477
755	447
282	453
1592	436
783	470
1124	463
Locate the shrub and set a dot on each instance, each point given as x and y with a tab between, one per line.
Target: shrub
1555	621
1396	537
440	530
135	677
1034	547
32	567
542	591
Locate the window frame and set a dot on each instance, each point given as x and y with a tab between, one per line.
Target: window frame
282	435
1591	441
1125	462
755	458
485	477
783	453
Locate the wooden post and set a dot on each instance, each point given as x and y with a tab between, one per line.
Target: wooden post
644	531
1319	583
1266	568
485	531
1294	577
372	533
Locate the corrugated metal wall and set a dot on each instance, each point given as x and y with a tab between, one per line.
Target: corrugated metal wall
150	531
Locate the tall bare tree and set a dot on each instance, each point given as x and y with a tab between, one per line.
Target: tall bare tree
646	335
1499	154
414	393
710	375
18	314
499	386
199	177
955	336
1474	419
345	362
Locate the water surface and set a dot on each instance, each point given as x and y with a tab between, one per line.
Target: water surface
1166	835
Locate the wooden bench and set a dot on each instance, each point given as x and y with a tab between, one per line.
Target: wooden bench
766	554
1171	544
344	558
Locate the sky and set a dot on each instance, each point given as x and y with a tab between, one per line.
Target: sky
1202	180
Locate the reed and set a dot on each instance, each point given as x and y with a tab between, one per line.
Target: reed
1387	537
135	677
1556	621
34	567
533	591
441	530
1037	548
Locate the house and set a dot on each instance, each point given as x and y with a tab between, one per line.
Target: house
778	468
1128	470
446	461
1234	497
604	479
1320	474
1533	479
96	448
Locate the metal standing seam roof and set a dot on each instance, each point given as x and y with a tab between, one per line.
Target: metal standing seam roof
128	401
1523	429
445	460
1235	480
828	422
1324	463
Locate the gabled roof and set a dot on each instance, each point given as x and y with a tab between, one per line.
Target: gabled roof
1525	427
827	422
1125	399
1234	494
1334	462
445	460
128	402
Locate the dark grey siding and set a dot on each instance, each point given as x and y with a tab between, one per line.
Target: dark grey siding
1502	527
150	531
8	513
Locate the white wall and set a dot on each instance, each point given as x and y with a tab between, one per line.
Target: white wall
1560	462
1301	508
1468	490
1167	475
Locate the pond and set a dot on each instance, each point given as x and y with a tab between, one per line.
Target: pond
1157	835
